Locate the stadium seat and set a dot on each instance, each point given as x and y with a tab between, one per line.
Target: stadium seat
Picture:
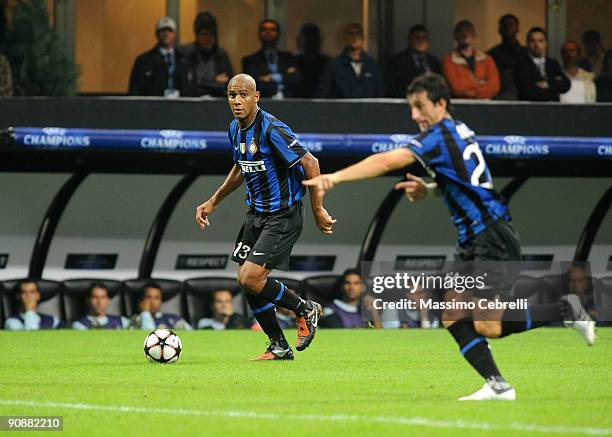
198	293
603	301
530	288
324	289
75	293
172	295
50	298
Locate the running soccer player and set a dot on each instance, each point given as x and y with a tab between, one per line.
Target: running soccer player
447	149
273	163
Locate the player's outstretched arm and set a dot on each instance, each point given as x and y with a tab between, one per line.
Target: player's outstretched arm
324	221
415	188
371	167
231	182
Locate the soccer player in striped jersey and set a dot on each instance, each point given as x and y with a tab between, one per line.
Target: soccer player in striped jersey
272	162
448	151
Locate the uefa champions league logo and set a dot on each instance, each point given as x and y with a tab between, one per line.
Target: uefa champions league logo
515	140
169	133
54	131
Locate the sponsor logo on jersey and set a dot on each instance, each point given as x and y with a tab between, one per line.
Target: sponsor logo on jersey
252	166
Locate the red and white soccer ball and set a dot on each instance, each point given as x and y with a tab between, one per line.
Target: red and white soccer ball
163	346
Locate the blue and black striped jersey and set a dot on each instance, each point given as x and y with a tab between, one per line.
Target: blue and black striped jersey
268	153
450	154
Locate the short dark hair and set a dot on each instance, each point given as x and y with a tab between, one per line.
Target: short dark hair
97	284
417	28
269	20
506	17
433	84
26	281
536	29
205	20
150	284
464	24
354	26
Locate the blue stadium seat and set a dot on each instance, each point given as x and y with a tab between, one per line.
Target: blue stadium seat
75	293
198	294
50	298
172	296
323	289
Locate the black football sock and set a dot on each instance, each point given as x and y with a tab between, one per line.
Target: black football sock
265	314
534	316
278	293
475	349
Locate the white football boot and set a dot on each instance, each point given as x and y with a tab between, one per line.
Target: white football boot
579	319
493	390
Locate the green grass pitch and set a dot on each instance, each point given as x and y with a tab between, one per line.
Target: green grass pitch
366	382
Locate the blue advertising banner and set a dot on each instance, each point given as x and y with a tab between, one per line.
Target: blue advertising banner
505	147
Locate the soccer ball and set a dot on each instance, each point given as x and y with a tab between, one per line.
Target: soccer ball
163	346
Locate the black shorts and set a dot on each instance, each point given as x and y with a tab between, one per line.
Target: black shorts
494	254
267	239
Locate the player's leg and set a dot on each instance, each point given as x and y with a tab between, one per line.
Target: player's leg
474	347
272	250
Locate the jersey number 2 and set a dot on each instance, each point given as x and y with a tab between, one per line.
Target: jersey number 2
474	150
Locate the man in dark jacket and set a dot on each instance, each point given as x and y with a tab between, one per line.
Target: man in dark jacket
274	71
209	65
507	55
163	70
353	74
404	66
538	77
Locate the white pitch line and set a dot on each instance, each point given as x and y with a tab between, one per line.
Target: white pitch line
394	420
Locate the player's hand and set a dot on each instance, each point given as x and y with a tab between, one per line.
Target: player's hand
145	305
202	213
414	188
322	183
324	220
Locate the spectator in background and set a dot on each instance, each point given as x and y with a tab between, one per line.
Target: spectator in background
538	77
223	315
507	55
310	61
274	71
579	283
352	74
28	318
594	52
151	317
210	68
97	301
6	77
404	66
603	82
582	88
470	73
163	70
346	312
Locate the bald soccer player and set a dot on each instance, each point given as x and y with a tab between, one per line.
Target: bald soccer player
272	162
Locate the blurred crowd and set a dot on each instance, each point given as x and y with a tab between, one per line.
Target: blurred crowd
508	71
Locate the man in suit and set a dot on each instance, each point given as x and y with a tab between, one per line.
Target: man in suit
163	70
274	71
404	66
538	77
352	74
